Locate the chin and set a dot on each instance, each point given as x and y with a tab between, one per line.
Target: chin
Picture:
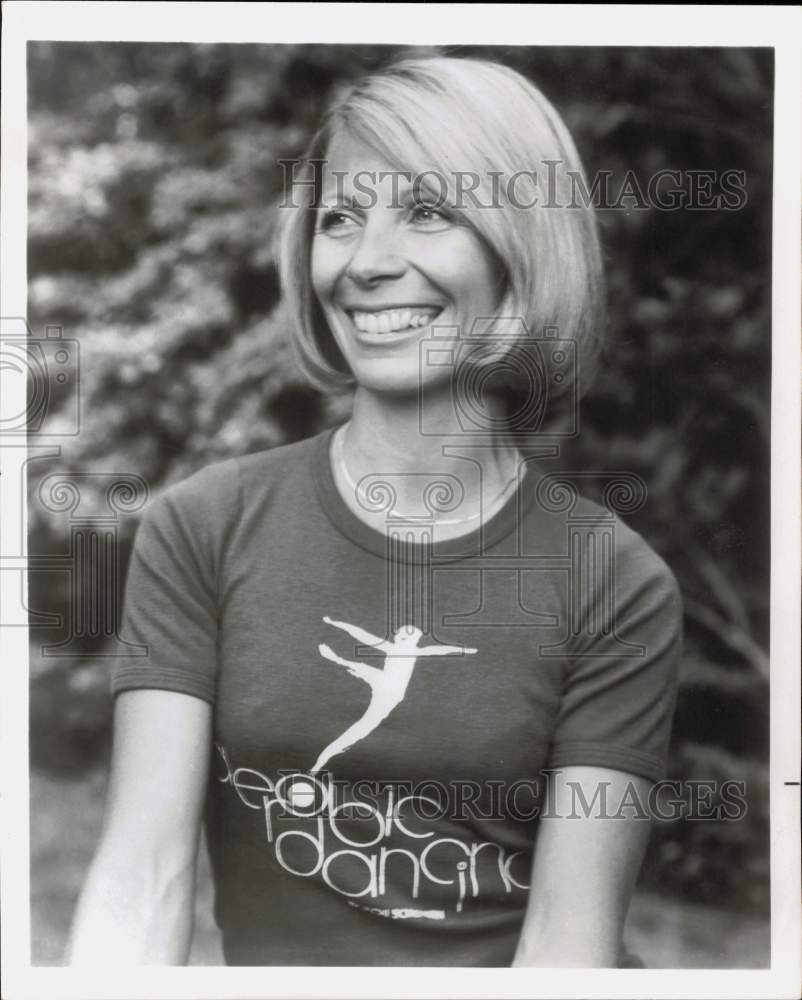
397	381
390	385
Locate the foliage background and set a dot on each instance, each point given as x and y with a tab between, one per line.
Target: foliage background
153	185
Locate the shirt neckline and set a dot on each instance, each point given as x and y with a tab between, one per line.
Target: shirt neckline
465	546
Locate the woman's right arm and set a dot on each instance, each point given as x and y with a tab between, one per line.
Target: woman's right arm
137	905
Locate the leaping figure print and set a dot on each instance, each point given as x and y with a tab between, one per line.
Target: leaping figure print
388	683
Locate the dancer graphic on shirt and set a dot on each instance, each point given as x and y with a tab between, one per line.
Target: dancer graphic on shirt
388	683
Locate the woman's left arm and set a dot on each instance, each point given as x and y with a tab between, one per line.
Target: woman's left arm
585	866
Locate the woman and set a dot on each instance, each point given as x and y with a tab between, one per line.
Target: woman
412	688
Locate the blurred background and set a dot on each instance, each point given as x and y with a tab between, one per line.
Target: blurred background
153	186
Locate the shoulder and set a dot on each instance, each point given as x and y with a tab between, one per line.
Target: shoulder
561	516
281	463
213	495
641	579
633	554
609	563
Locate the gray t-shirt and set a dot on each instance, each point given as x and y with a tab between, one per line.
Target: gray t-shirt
384	707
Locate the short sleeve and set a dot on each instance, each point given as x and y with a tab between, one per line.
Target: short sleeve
171	596
621	683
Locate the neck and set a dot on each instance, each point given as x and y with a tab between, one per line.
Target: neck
390	435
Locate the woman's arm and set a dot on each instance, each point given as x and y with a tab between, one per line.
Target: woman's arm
137	904
584	870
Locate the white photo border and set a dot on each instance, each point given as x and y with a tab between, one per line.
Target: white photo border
515	24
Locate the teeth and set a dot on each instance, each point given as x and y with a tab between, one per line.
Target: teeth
392	320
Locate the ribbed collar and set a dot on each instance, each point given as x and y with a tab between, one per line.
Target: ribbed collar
472	544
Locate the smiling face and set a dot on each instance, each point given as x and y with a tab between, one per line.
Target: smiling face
385	268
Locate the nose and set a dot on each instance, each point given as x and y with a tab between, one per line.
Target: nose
375	256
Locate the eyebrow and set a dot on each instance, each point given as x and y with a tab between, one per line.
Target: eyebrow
332	200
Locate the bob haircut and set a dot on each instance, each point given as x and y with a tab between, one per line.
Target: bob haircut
439	115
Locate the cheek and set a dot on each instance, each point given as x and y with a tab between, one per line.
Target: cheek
324	268
323	274
468	271
486	277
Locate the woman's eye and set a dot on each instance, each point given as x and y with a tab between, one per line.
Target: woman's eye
429	214
333	222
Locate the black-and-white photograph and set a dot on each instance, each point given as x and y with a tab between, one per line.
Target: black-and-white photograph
396	565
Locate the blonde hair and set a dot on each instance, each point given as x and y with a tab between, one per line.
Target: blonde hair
446	114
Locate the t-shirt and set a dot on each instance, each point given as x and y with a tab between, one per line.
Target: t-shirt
384	706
